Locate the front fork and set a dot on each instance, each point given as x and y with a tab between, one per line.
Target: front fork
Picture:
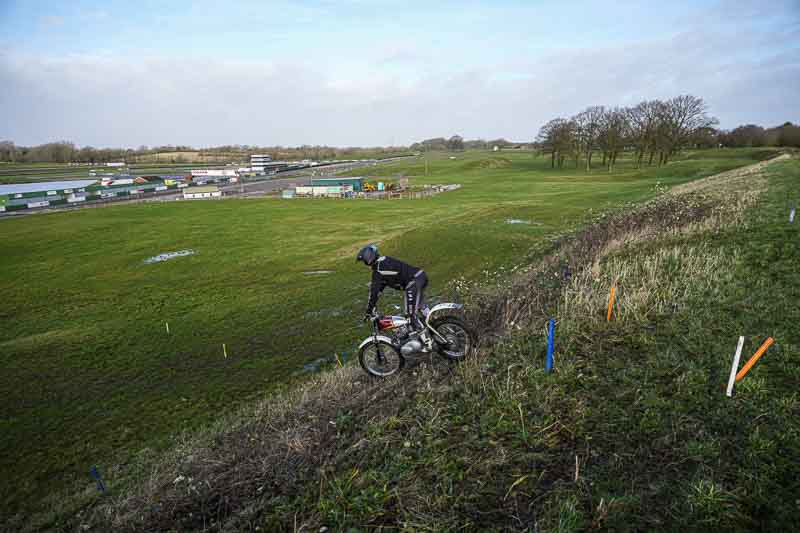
376	343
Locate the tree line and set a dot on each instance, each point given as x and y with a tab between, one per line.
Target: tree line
457	142
655	130
68	152
751	135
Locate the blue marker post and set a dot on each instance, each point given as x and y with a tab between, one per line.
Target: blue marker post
551	331
96	475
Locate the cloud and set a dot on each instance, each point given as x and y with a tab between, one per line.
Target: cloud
392	94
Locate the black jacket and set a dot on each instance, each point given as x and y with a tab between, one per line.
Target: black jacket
389	272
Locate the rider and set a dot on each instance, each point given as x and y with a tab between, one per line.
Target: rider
388	271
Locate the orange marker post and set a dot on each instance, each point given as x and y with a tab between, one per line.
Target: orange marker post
611	301
746	368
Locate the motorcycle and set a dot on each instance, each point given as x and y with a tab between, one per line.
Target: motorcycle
394	339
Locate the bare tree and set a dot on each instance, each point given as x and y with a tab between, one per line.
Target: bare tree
8	151
456	142
558	138
547	139
747	135
612	134
682	117
643	122
588	127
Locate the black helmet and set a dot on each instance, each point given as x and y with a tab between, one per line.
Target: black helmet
368	254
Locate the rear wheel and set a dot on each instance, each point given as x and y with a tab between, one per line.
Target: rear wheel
380	359
459	339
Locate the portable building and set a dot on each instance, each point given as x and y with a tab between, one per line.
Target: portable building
334	191
356	183
201	192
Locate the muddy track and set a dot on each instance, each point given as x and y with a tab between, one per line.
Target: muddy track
293	442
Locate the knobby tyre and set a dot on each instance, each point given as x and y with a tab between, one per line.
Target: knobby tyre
380	359
460	338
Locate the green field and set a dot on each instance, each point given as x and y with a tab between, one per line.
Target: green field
91	375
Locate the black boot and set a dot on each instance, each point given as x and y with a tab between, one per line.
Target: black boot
424	336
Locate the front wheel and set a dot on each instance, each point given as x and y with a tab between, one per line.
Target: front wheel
380	359
459	339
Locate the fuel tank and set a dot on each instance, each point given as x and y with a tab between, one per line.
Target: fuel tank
392	322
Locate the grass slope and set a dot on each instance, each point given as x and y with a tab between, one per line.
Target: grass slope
632	431
90	373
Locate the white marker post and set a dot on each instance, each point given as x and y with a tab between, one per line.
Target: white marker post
735	366
225	352
791	216
167	324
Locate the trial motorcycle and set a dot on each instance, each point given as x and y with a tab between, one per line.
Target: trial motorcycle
394	339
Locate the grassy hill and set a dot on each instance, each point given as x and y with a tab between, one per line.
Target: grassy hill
632	431
103	380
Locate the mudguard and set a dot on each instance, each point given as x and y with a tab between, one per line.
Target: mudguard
379	338
442	307
434	310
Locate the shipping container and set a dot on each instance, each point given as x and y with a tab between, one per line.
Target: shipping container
356	183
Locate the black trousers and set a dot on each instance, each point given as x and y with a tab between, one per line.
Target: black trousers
415	294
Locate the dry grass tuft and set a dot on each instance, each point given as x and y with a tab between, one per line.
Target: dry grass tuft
642	287
732	181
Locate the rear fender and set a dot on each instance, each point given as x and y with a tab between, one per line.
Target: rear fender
439	308
443	307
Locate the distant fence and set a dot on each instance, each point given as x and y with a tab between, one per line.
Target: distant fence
388	195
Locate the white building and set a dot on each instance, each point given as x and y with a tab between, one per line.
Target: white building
214	172
201	192
337	191
259	161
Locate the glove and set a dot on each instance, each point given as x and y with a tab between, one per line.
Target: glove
369	317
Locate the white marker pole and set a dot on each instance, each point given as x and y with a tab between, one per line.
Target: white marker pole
225	352
791	216
167	323
735	366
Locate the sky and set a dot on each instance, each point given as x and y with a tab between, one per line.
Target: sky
368	73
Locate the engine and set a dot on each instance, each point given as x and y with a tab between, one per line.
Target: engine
403	334
411	347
